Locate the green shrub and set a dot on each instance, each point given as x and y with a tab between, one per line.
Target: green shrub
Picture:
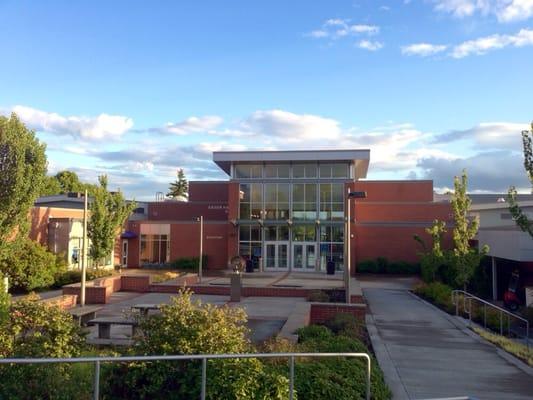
528	314
74	276
35	329
367	266
318	296
437	293
188	263
334	378
346	324
187	327
381	265
29	265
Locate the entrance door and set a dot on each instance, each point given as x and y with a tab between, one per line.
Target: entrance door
276	256
124	253
304	256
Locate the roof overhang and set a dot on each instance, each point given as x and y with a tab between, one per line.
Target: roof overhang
359	157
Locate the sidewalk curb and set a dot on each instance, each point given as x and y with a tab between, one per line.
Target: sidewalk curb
390	373
463	327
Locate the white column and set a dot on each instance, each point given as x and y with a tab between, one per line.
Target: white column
84	252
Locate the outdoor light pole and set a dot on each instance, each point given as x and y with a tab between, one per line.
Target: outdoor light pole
347	270
201	220
84	252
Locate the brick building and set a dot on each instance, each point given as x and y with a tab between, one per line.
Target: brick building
287	211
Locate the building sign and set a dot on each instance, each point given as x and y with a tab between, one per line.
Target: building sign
217	207
213	237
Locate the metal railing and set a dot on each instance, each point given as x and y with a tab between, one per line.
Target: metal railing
203	357
469	297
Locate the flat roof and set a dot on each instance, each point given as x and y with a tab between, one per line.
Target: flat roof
360	157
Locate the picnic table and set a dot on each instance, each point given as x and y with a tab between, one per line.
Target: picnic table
104	325
83	314
145	307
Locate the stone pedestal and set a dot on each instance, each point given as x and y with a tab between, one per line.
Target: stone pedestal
236	287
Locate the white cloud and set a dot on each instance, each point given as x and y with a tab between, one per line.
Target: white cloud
493	42
191	125
104	126
291	127
422	49
336	28
370	45
503	10
489	135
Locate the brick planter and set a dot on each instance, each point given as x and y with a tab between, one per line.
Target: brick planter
322	312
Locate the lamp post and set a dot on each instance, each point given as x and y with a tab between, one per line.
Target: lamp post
84	252
200	262
347	270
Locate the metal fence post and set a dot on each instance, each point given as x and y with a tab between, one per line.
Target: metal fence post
368	375
484	316
501	323
96	381
204	377
291	377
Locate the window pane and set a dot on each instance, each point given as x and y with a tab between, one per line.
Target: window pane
270	211
310	233
298	171
310	192
256	211
245	249
270	233
325	192
339	170
298	210
298	233
242	171
255	233
283	192
271	171
283	233
283	171
270	192
283	211
310	170
337	234
325	171
257	192
244	211
244	232
298	194
245	189
337	193
256	171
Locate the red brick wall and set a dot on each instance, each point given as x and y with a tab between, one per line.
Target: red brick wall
39	220
64	302
185	242
396	191
135	283
323	312
211	191
187	211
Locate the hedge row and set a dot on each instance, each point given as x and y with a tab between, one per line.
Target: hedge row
383	266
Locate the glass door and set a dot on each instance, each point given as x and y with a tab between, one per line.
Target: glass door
124	253
276	256
304	256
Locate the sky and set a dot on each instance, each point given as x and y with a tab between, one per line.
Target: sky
138	89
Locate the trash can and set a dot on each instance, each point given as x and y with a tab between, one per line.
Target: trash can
330	267
249	265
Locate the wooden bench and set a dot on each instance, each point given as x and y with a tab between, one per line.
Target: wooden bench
144	308
104	325
83	314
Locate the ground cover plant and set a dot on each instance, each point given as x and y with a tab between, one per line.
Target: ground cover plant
519	350
382	265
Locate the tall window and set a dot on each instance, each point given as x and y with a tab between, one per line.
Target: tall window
155	249
332	246
304	201
332	201
277	201
304	233
250	240
277	233
251	202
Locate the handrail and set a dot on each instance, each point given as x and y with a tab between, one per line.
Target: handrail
203	357
470	296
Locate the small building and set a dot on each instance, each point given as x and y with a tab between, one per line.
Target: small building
287	211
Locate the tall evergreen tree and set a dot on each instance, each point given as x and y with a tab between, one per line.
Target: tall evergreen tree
108	212
518	215
180	187
22	172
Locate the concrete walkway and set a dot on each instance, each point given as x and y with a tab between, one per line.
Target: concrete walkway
425	353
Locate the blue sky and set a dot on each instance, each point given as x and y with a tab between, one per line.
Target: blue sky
138	89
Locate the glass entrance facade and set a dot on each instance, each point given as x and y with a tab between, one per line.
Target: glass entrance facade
292	214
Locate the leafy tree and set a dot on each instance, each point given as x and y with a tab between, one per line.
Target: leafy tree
29	265
518	215
22	172
69	182
189	327
35	329
108	212
432	260
465	258
179	188
50	186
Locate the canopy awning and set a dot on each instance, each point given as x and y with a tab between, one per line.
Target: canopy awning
128	235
